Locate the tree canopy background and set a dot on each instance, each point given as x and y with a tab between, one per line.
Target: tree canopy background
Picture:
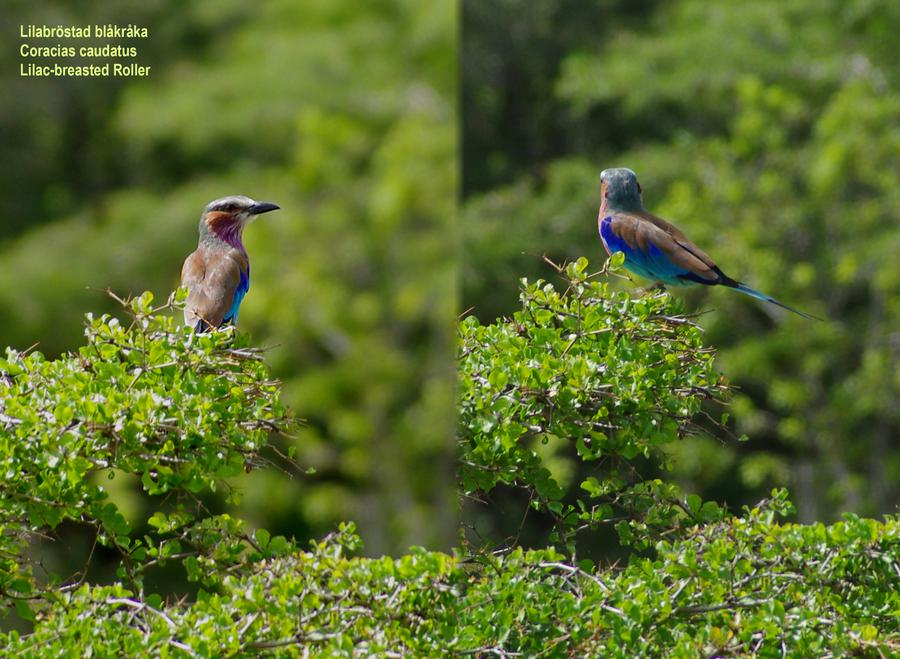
769	132
343	114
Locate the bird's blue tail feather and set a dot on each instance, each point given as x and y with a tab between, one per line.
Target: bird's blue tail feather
752	292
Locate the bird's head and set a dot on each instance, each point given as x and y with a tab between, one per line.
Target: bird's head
620	189
226	218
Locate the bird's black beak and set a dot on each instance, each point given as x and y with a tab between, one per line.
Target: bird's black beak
262	207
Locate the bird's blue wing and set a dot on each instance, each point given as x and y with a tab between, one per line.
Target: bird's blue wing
651	262
666	255
231	316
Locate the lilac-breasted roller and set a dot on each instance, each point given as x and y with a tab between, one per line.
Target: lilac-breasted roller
217	273
653	248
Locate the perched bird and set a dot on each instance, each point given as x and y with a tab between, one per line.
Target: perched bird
653	248
217	273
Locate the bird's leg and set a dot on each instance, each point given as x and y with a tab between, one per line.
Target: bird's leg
605	268
606	271
647	290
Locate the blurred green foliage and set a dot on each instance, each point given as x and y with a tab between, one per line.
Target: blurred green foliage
769	132
343	114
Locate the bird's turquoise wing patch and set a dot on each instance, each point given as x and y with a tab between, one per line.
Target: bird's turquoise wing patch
243	286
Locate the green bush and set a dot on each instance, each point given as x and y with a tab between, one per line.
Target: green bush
590	377
740	587
180	411
186	412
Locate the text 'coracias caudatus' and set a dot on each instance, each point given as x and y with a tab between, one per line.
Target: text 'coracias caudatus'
217	273
653	248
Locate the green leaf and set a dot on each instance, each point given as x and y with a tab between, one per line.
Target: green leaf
694	502
616	260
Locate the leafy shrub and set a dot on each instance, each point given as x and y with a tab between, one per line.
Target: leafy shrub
607	379
179	410
186	411
739	587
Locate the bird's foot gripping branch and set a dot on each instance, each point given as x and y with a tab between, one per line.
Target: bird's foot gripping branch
146	397
573	399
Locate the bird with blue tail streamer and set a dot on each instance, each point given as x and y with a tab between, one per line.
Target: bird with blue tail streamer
654	248
217	273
